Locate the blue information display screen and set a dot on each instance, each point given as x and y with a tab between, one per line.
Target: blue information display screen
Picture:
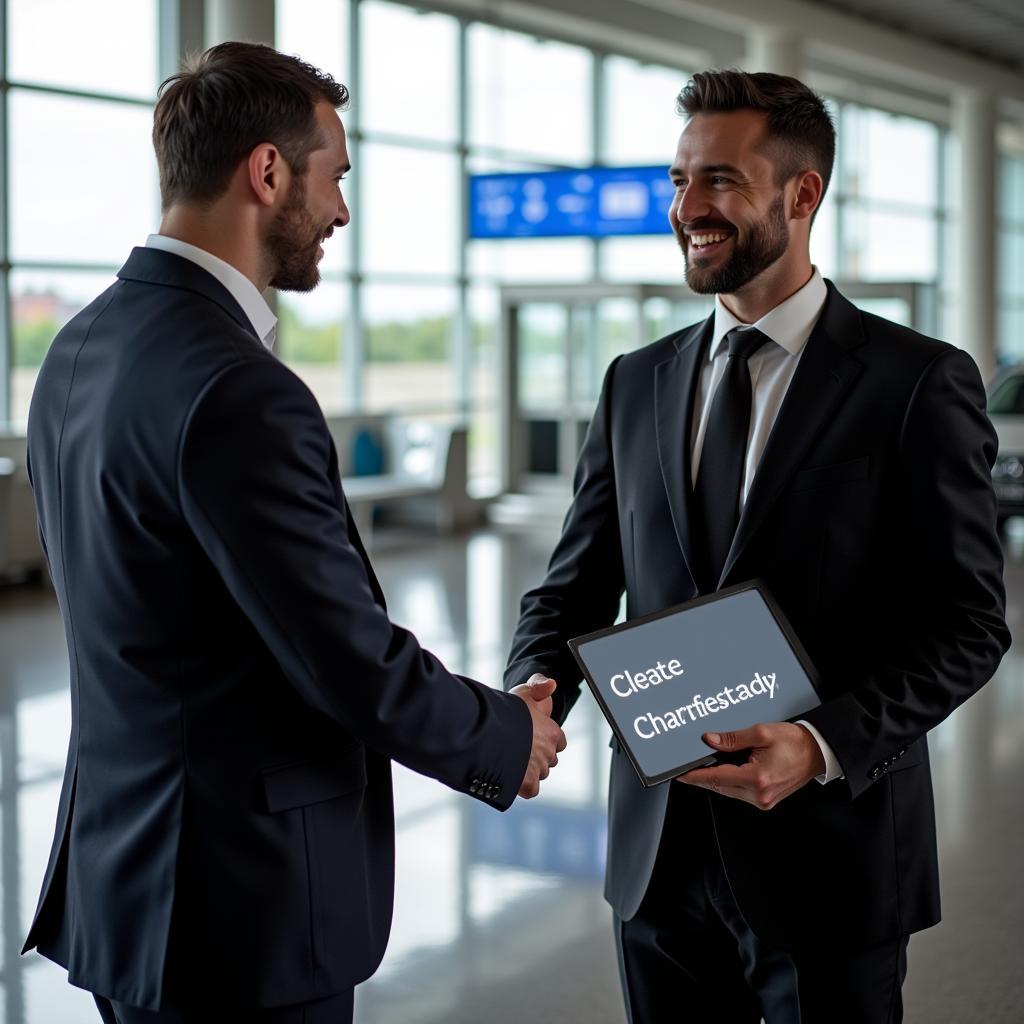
594	202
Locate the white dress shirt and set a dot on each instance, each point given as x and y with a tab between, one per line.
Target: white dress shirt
772	366
242	290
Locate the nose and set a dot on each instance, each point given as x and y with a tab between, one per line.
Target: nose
692	204
343	216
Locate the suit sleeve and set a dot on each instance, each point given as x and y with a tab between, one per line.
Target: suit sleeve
956	634
585	578
255	482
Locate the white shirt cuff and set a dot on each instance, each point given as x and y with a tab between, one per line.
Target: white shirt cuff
833	770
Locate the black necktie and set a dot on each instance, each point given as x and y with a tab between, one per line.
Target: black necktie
720	473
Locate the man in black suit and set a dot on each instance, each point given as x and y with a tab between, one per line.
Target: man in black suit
224	840
845	461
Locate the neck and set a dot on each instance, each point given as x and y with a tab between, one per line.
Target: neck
222	233
769	289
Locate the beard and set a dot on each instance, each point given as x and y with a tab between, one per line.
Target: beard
766	243
293	243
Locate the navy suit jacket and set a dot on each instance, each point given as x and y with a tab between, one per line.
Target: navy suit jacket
873	522
237	688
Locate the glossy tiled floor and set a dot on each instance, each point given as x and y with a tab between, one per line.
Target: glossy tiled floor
499	918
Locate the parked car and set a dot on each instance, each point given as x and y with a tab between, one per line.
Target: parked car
1006	410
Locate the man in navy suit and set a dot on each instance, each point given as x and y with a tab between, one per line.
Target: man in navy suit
224	840
845	461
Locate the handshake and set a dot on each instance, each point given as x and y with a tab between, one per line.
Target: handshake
548	738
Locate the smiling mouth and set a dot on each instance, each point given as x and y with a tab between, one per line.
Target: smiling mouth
704	243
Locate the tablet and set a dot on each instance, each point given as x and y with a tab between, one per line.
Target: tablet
716	664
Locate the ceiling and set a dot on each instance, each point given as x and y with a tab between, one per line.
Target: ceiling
990	29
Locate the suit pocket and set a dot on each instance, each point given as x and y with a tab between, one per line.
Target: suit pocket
830	476
302	783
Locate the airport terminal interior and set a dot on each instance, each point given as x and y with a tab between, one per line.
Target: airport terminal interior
457	344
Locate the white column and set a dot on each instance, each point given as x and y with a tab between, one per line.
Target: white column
249	21
774	49
975	124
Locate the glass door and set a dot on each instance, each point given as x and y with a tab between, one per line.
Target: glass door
557	343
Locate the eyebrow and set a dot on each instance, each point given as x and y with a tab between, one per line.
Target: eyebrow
677	172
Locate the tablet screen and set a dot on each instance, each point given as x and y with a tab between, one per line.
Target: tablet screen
716	664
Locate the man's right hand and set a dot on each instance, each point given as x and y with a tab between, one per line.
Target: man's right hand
548	738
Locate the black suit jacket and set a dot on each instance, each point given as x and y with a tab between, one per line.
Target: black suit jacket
872	521
237	688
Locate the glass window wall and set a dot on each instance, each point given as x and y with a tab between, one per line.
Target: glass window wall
82	178
410	210
79	186
318	32
639	122
409	331
57	44
313	338
409	73
407	316
530	96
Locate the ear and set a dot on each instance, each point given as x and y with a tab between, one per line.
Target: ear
807	195
268	173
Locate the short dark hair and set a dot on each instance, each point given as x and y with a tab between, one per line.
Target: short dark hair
225	102
800	128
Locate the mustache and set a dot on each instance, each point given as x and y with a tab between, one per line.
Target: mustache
704	227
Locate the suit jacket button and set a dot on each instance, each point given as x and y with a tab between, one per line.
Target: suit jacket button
875	772
474	786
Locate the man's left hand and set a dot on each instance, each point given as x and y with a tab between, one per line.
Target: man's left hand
783	758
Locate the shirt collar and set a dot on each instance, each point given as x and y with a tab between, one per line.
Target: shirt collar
789	324
242	290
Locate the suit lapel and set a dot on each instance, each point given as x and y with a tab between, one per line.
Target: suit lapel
675	389
822	381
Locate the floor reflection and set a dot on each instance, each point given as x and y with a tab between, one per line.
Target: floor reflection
500	917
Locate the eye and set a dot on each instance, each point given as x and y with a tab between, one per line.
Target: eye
718	179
